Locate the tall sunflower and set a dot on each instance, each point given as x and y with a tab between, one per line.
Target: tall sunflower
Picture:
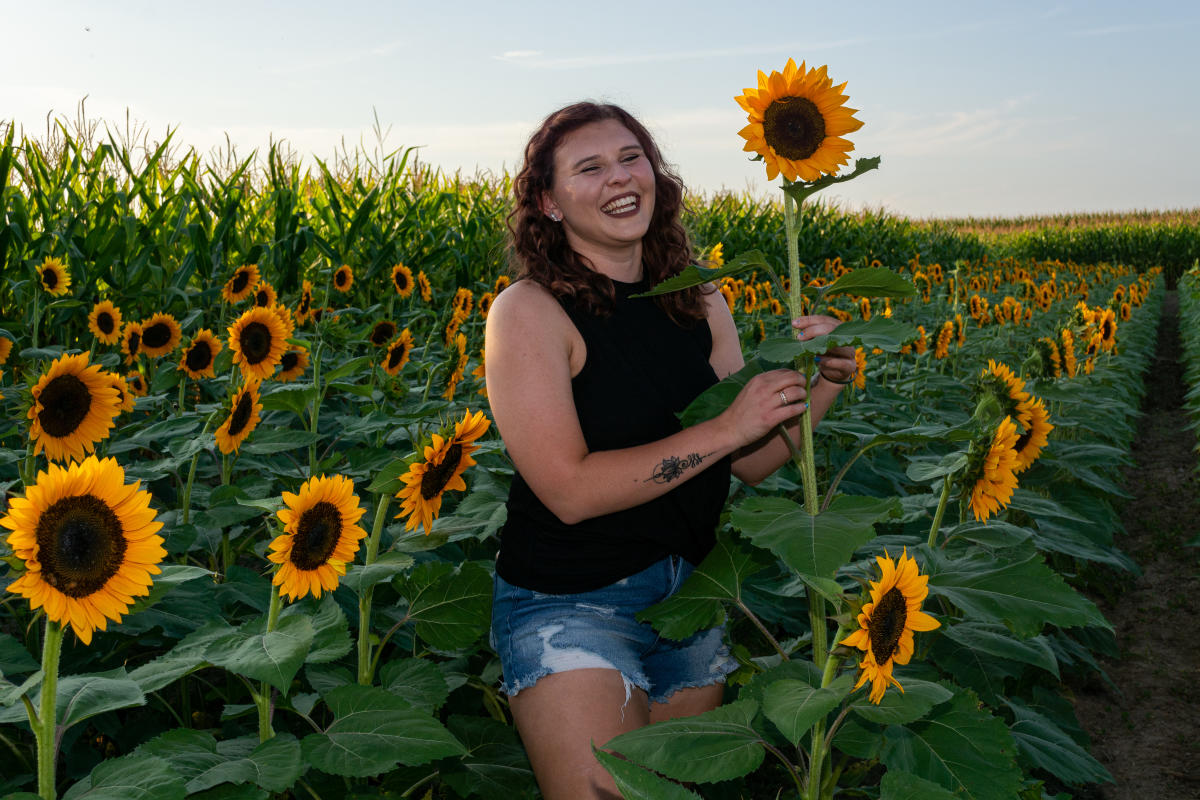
292	365
244	416
886	624
402	280
397	353
160	335
445	460
241	284
343	279
200	355
89	542
105	322
797	119
1030	443
320	536
131	341
54	276
74	406
990	477
258	341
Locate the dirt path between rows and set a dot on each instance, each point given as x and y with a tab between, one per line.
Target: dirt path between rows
1147	731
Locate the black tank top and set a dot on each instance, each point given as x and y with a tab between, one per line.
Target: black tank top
641	369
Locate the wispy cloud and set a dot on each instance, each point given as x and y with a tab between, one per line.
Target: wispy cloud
534	60
952	131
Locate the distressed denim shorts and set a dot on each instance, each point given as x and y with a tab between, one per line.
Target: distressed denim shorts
537	634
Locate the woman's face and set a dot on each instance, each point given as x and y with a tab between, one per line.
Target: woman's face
603	187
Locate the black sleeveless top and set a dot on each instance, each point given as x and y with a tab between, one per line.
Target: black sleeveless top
641	369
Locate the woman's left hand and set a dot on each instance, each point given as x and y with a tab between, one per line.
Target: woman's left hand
837	363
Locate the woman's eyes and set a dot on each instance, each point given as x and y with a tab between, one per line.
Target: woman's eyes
627	159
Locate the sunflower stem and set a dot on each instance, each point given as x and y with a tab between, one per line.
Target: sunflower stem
315	411
789	766
37	315
941	509
45	728
365	666
262	698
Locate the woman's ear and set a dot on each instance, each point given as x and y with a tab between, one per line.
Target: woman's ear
550	208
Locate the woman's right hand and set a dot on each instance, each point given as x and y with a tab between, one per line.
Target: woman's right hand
760	406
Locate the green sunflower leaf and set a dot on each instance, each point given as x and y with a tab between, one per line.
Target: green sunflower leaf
1046	746
495	765
14	658
699	603
898	708
698	276
795	707
878	331
898	785
635	783
137	776
997	640
716	398
374	730
717	745
418	681
273	657
199	759
450	605
871	282
360	577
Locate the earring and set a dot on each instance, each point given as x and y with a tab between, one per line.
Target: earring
555	216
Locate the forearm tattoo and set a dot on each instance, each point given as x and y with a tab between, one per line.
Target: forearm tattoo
673	467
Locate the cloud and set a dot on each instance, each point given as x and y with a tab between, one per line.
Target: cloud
948	131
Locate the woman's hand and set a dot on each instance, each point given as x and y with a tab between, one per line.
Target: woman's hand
836	364
767	400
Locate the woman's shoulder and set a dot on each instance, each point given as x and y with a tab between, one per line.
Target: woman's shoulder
526	304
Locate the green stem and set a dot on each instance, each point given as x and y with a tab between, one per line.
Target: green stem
262	699
820	743
46	728
191	478
182	391
365	670
36	316
315	412
941	509
787	765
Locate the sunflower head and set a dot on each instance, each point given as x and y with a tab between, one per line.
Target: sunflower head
440	470
89	542
402	280
125	395
797	119
887	622
424	286
293	364
105	322
244	415
137	384
54	277
74	405
382	333
990	476
1009	390
320	536
200	355
343	278
398	352
264	295
257	340
131	341
502	282
240	284
160	335
6	346
1035	436
304	308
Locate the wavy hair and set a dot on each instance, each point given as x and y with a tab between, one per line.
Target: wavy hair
539	246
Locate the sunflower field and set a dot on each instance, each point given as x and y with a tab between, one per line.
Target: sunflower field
252	494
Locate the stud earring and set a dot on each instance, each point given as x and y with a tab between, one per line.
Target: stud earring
555	216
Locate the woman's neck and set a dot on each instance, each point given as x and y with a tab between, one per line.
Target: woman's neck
621	264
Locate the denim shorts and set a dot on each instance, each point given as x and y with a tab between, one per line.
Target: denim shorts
538	634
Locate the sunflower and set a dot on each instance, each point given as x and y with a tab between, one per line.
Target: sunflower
460	367
749	299
383	332
423	284
922	343
137	384
402	279
55	277
480	372
1107	322
716	256
1126	312
452	329
74	406
304	309
991	476
1030	443
285	316
125	395
131	341
485	304
239	287
942	348
343	279
1068	352
860	368
446	458
160	335
864	308
200	355
5	348
502	283
89	542
292	365
105	322
243	417
264	295
258	340
320	536
1008	389
797	119
397	353
730	299
959	330
886	624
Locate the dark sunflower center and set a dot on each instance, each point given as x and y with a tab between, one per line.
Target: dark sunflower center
401	280
80	544
289	361
199	356
135	341
396	355
316	535
794	127
255	341
1023	440
65	402
105	322
262	299
436	478
136	383
887	624
156	335
382	333
305	302
240	279
49	278
341	277
241	413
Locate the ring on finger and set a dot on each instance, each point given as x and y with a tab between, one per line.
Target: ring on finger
783	396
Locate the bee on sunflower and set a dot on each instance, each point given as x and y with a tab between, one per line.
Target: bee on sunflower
258	340
160	335
240	284
886	624
104	322
74	405
440	470
320	536
244	415
200	355
343	278
89	542
54	276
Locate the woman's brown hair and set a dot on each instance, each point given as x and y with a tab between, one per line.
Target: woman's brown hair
540	246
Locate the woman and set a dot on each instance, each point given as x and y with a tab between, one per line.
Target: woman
613	504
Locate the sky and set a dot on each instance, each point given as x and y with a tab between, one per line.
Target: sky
976	109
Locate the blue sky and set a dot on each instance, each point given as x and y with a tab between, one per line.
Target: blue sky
976	109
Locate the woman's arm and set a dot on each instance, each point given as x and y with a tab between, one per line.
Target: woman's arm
530	344
760	458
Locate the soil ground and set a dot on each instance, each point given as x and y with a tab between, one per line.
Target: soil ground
1145	730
